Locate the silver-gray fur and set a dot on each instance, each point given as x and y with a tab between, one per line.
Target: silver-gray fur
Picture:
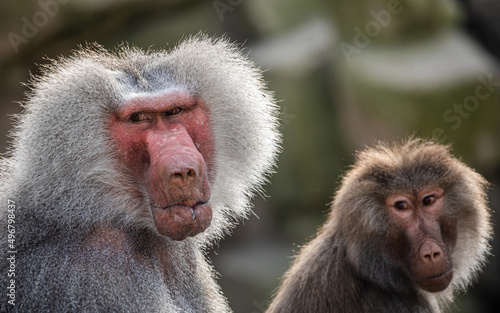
63	179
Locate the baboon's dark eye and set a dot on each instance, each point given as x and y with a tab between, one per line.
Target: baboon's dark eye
401	205
137	117
429	200
174	111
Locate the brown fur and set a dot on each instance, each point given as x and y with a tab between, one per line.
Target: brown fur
353	266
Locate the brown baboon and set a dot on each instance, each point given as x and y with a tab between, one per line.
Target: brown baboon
124	167
408	228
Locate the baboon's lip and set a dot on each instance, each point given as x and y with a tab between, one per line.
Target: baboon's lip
179	221
185	203
437	283
440	275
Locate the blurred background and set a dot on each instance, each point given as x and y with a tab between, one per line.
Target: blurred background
346	73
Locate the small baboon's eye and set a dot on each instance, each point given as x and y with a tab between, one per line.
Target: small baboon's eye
429	200
137	117
401	205
174	111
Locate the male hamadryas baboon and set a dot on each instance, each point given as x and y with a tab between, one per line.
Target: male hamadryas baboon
123	168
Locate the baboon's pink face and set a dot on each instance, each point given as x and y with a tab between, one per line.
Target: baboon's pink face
166	143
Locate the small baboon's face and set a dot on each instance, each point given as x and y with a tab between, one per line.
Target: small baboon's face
429	237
